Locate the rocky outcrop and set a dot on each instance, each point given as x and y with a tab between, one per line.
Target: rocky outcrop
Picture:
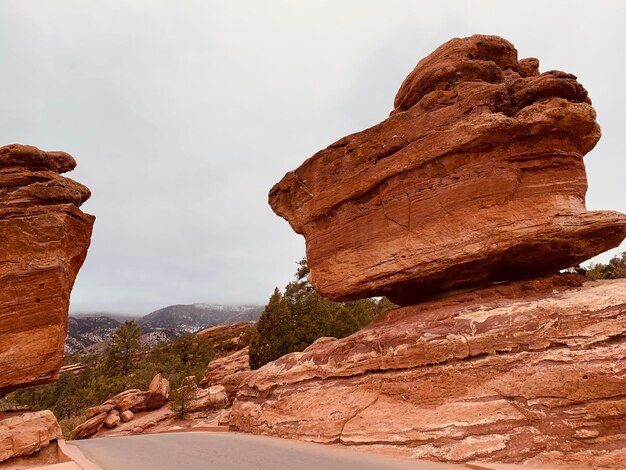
206	399
45	238
227	338
476	176
123	406
530	372
220	371
26	433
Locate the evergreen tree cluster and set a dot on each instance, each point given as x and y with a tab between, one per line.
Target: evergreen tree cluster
293	320
614	269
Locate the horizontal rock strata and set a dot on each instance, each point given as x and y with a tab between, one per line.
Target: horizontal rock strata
476	176
525	372
44	238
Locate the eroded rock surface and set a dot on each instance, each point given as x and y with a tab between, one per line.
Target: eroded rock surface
44	237
24	433
529	372
219	370
476	176
123	406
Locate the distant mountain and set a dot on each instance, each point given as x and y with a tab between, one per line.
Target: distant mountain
196	317
86	333
89	333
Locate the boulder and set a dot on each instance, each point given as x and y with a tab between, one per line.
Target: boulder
476	176
112	419
45	237
219	370
127	416
530	372
89	427
132	399
24	433
159	391
203	399
96	410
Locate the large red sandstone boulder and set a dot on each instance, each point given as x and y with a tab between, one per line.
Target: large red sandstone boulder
44	237
24	433
476	176
530	372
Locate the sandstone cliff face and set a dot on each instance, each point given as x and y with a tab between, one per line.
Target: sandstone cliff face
530	372
45	238
476	176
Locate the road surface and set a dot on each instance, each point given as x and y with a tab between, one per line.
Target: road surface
231	451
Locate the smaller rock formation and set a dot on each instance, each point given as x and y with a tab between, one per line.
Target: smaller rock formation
26	433
227	338
222	367
117	409
477	176
207	399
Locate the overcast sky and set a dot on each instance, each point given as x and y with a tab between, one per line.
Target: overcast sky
183	114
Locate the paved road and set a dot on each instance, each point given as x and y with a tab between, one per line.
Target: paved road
230	451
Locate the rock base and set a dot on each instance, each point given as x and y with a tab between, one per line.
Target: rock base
531	372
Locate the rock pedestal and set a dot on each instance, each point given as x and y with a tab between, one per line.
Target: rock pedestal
44	237
531	372
476	176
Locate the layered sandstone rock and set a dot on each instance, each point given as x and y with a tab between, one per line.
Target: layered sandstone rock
44	238
476	176
123	406
530	372
219	370
23	434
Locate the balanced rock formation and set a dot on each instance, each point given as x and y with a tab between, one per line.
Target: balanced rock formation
530	372
476	176
44	237
475	179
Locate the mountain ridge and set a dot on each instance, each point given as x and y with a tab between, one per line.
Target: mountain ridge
89	332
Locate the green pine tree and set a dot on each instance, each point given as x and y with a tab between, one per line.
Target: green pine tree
274	330
124	346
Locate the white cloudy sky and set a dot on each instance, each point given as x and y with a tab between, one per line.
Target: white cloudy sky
183	114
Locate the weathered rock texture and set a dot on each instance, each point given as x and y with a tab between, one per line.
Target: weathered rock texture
476	176
529	372
26	433
44	240
115	409
220	370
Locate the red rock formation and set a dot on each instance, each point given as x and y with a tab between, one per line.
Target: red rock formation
530	372
227	338
26	433
44	243
132	400
476	176
219	369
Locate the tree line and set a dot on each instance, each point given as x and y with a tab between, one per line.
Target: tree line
295	318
